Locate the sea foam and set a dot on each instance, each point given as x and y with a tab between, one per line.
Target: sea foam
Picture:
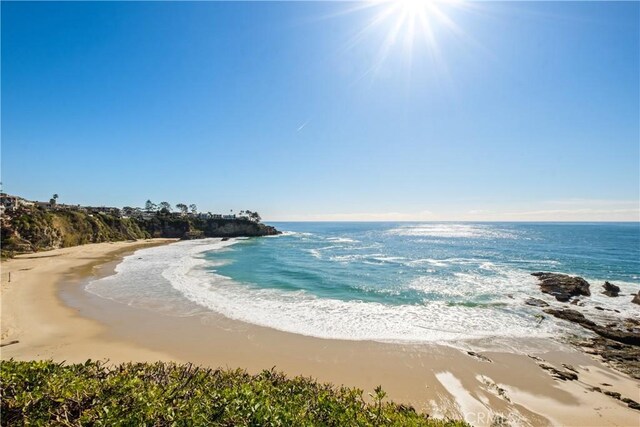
170	274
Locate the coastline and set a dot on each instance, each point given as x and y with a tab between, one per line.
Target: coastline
35	316
46	309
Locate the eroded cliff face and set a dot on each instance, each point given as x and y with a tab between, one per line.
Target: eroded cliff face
234	228
32	230
189	227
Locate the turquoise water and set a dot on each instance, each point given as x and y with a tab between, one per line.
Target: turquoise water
400	282
400	263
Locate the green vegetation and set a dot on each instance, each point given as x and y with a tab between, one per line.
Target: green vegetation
37	229
163	394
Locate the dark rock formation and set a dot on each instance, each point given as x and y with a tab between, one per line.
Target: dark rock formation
562	286
557	373
610	289
625	337
479	356
536	302
630	402
233	228
617	344
625	358
636	298
193	228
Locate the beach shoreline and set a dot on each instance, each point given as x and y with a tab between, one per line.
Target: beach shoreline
47	311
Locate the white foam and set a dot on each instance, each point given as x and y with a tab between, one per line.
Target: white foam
138	280
302	313
176	278
342	240
295	233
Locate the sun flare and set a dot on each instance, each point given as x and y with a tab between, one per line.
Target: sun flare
412	26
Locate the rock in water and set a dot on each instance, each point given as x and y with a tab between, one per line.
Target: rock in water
536	302
610	289
562	286
636	298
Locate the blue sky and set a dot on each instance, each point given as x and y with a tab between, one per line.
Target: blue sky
308	111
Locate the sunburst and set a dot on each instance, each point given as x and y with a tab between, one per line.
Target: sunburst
410	25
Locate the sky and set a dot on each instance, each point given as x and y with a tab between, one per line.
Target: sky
476	111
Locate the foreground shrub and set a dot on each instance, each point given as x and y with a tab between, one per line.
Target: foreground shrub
163	394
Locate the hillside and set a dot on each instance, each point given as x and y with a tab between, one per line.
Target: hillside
35	229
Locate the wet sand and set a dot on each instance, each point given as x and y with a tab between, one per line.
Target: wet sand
46	309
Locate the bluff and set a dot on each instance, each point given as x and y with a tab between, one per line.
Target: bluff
190	227
36	229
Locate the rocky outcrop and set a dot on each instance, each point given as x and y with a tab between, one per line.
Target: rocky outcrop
233	228
562	286
624	357
564	375
625	337
610	289
617	343
535	302
636	298
194	228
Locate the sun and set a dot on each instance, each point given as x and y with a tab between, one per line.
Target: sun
412	7
413	26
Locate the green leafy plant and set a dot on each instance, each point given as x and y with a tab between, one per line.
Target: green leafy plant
167	394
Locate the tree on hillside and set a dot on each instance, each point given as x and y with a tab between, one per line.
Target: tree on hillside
149	206
54	199
194	208
255	216
165	205
182	208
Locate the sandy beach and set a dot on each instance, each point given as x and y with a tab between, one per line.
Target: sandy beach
47	314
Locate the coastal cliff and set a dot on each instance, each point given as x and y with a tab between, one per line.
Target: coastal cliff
33	230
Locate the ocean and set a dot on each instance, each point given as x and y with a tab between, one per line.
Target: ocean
390	282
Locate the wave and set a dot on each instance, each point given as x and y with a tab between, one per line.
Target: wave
302	313
342	240
139	280
477	298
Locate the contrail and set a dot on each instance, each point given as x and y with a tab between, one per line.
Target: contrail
302	126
